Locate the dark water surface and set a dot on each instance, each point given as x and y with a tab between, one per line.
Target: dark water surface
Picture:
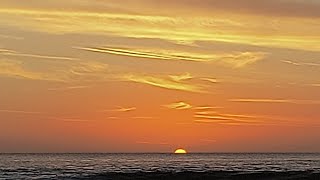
160	166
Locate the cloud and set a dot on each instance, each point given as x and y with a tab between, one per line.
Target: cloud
68	88
206	112
70	119
261	100
207	107
163	82
211	80
16	69
288	8
283	32
237	60
223	120
179	106
226	118
5	52
10	37
151	143
182	77
143	117
67	72
19	112
123	109
291	8
290	101
301	63
113	118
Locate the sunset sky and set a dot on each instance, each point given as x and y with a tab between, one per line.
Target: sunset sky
156	75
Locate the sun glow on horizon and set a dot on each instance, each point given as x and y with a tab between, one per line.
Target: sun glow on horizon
180	151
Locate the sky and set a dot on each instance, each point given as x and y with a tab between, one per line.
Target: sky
157	75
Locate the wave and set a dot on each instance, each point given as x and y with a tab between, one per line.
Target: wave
207	175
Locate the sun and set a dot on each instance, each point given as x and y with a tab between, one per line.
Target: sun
180	151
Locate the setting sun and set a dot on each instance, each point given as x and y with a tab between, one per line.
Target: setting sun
180	151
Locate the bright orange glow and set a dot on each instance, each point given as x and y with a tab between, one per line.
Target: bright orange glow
128	76
180	151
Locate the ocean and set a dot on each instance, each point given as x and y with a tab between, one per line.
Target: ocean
161	166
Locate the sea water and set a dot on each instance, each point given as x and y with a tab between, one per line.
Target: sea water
74	166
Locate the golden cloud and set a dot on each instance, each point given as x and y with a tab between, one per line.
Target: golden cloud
290	101
5	52
179	106
301	63
163	82
284	32
236	60
66	72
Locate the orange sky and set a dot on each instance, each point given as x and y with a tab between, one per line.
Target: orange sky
153	76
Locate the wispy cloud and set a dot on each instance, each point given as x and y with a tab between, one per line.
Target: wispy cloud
237	60
143	117
5	52
152	143
182	77
70	119
261	100
315	85
123	109
211	80
239	29
65	72
10	37
291	101
68	88
16	69
163	82
301	63
207	107
113	118
226	118
179	106
19	111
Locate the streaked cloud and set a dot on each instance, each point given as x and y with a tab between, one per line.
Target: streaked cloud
206	112
301	63
16	69
10	37
66	72
19	111
291	101
143	117
272	8
151	143
179	106
207	107
68	88
182	77
214	118
5	52
123	109
211	80
163	82
70	119
261	100
226	118
113	118
247	29
237	60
